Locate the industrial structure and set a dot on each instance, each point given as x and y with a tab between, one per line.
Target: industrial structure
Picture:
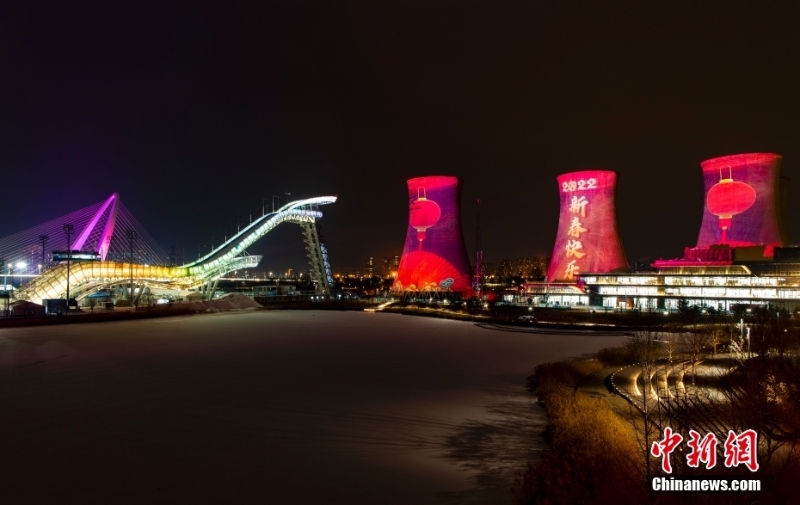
118	252
434	256
743	202
740	256
587	239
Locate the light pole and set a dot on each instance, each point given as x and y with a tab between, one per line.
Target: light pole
43	239
21	265
68	229
5	287
132	235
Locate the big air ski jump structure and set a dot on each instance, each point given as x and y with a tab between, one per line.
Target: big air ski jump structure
97	231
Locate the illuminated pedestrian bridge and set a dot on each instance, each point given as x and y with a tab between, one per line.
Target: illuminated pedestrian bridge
116	267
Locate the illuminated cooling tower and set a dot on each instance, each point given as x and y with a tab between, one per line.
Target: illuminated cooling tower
742	206
587	238
434	256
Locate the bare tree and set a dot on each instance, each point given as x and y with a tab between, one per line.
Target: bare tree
694	341
646	349
671	340
716	335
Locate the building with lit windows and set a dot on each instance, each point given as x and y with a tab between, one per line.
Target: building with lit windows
775	282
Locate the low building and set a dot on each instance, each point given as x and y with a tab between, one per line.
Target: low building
739	278
553	294
25	308
274	290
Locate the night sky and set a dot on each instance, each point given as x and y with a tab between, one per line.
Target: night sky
194	114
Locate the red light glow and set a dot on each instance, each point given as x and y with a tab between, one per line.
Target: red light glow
587	239
742	207
434	257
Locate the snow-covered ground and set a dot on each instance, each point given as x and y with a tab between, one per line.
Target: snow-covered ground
270	407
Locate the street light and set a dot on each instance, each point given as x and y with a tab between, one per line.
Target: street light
68	229
132	235
21	265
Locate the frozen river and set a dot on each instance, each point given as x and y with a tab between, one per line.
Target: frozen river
270	407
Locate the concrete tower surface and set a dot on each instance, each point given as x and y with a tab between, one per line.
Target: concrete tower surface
742	202
587	239
435	256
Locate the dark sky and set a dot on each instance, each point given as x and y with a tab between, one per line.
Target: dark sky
193	114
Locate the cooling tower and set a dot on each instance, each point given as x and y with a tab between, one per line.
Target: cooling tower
434	257
587	239
742	203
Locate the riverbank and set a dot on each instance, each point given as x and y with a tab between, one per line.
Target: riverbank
541	318
593	454
513	316
228	303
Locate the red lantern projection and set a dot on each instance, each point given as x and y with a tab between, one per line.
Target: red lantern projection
728	198
587	238
434	257
742	207
423	214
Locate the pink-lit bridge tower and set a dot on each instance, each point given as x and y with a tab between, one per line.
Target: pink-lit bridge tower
435	256
587	239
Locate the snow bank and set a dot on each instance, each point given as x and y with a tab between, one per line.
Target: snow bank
233	301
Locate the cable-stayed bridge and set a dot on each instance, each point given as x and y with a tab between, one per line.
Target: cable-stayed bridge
125	252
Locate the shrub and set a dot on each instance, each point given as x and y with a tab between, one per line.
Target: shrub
614	356
548	377
593	457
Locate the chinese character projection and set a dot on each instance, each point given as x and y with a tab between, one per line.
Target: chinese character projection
434	257
742	205
587	238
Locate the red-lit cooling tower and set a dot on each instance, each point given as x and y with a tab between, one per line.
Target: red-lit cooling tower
587	238
434	257
742	206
